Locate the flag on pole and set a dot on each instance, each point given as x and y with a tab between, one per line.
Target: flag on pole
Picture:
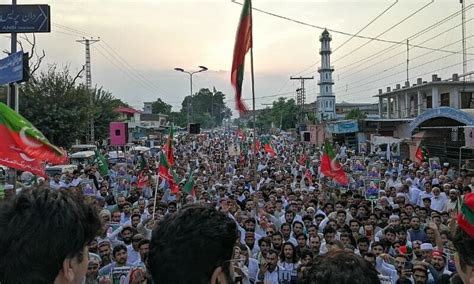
189	185
14	157
101	163
330	167
243	43
27	138
422	153
166	172
168	148
268	147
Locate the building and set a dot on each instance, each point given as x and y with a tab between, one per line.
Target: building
141	124
371	110
148	107
439	112
325	101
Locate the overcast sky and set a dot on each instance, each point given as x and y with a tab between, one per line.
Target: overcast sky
155	36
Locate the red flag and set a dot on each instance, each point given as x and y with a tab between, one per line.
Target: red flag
309	176
422	153
166	172
168	148
142	180
13	157
267	146
302	160
258	145
330	167
243	42
27	138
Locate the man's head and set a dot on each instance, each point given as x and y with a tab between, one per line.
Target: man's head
201	232
66	226
420	273
341	267
438	260
272	259
127	234
144	249
120	255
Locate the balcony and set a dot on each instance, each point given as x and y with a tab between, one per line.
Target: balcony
331	68
326	81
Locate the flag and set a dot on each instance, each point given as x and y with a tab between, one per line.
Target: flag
143	179
14	157
27	138
166	172
308	176
168	148
101	163
258	145
243	42
188	186
302	160
330	167
268	147
422	153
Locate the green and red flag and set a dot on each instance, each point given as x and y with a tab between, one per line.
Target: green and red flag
268	147
422	153
302	160
258	145
243	42
26	138
101	164
167	173
330	167
168	148
14	157
189	185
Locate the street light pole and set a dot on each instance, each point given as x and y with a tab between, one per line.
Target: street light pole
190	115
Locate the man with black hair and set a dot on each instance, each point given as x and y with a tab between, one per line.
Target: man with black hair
144	249
120	260
268	271
277	241
340	267
44	237
193	245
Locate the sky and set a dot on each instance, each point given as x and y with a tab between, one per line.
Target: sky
142	41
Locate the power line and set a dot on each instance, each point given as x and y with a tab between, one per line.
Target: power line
366	26
352	37
403	63
386	31
413	77
397	73
341	32
394	46
151	83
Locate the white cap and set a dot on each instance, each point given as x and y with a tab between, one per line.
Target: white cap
426	246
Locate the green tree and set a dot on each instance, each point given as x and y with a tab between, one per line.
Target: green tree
208	108
160	106
59	107
282	114
356	114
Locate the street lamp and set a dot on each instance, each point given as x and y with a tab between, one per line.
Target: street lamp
190	104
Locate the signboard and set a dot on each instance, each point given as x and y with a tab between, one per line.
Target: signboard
12	68
25	19
341	127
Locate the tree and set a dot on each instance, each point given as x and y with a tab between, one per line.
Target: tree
208	108
160	106
356	114
282	114
59	107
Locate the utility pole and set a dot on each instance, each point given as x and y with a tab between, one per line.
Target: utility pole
87	43
12	97
301	98
408	61
464	55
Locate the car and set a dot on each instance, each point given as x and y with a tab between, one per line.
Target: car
60	169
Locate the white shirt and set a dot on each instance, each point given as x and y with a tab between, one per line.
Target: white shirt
271	277
438	203
132	255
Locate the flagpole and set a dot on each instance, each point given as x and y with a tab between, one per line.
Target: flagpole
253	96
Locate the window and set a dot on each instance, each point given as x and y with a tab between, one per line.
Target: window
327	89
444	99
467	100
429	102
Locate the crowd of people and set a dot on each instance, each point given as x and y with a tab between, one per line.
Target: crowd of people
269	218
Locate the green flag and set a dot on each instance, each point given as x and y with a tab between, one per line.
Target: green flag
101	163
188	187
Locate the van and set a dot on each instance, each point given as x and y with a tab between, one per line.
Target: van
60	169
84	157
